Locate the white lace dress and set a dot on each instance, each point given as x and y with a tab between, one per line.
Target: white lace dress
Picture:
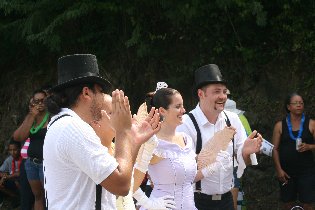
175	174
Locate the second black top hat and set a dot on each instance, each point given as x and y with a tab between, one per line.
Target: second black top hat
208	74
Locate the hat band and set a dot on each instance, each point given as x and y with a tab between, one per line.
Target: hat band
86	74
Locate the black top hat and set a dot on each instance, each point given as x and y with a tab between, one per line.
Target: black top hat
79	69
208	74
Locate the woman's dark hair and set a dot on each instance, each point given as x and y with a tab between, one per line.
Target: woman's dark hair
40	90
288	100
65	98
160	98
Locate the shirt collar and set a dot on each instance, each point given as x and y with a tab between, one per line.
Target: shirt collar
203	119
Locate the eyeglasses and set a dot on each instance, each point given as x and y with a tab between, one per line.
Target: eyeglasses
37	101
297	103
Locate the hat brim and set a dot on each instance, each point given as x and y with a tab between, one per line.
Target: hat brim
106	85
208	83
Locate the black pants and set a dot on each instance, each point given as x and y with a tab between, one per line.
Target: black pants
27	197
205	202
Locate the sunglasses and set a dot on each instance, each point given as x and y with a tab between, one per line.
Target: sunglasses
38	101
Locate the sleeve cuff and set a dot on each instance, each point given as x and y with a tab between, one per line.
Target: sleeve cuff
241	163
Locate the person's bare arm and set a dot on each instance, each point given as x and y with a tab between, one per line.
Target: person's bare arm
276	141
312	128
23	131
277	132
305	147
138	178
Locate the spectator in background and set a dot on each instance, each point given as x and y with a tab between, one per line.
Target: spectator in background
10	172
34	127
293	139
26	194
230	105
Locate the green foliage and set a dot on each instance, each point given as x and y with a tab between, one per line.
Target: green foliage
241	36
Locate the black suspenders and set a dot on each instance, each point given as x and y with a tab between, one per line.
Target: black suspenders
98	197
61	116
199	144
228	123
199	141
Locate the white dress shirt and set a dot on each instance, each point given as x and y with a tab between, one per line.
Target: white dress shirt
221	181
74	162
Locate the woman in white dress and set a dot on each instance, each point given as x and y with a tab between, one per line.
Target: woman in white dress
173	166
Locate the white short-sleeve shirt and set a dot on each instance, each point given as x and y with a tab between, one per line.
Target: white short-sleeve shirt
74	162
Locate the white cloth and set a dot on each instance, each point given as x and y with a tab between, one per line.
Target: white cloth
221	181
74	162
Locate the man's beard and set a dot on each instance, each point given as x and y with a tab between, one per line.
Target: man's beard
216	104
96	110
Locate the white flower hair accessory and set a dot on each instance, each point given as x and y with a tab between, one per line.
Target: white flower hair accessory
160	85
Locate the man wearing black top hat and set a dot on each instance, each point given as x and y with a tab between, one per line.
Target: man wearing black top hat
213	193
74	158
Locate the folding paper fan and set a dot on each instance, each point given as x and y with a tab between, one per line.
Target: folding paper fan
210	150
140	117
140	152
142	113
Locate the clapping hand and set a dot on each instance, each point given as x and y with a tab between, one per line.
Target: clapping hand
121	116
143	131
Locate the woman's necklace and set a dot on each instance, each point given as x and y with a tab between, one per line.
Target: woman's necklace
34	130
290	127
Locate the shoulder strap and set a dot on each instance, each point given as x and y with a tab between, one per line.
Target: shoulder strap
199	140
227	120
98	197
228	123
61	116
199	144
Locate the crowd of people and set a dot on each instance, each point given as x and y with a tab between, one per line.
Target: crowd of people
83	149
